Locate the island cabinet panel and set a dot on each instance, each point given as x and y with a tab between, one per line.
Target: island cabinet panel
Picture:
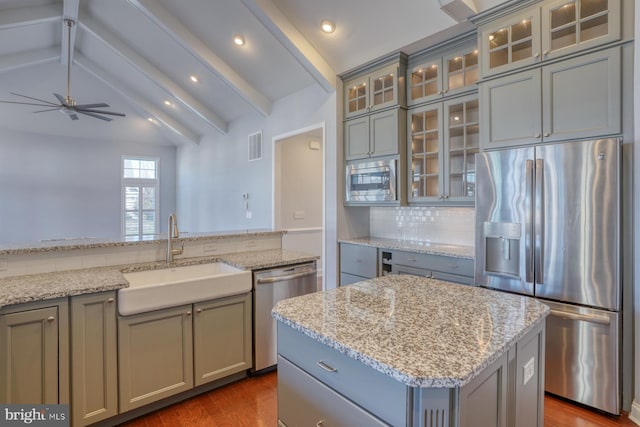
94	358
484	400
383	396
155	356
305	401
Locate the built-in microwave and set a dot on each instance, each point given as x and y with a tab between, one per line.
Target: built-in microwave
371	181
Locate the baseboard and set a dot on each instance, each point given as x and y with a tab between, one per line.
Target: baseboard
634	415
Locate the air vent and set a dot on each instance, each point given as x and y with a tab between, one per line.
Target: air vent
434	417
255	146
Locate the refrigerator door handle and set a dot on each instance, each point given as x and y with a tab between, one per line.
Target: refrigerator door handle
539	223
601	320
528	227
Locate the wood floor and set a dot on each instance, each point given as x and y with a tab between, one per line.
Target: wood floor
252	403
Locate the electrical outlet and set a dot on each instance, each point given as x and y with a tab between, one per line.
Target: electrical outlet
249	214
298	215
528	371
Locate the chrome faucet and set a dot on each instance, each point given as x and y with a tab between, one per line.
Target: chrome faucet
173	233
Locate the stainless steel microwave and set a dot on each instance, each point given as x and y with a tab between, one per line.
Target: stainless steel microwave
371	181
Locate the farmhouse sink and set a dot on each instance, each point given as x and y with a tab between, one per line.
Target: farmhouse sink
170	287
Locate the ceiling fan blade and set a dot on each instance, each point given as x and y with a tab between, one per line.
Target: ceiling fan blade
60	98
50	109
35	99
85	106
97	116
30	103
110	113
73	116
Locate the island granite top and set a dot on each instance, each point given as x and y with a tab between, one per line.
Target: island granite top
421	332
433	248
45	286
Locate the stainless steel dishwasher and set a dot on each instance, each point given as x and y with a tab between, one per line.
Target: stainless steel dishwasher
269	287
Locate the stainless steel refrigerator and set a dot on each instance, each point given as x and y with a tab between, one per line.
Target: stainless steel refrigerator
548	225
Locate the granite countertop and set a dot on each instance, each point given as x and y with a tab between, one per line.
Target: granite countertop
92	243
43	286
421	332
457	251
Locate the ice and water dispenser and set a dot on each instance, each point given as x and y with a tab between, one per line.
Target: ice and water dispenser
502	249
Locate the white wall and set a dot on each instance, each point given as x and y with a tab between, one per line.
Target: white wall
213	176
54	187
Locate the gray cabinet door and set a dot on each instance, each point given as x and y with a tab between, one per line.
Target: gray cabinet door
511	110
359	260
222	338
582	97
29	357
94	363
356	138
383	132
155	352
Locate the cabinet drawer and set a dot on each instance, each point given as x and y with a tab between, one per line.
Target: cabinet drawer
358	260
377	393
441	263
305	401
348	279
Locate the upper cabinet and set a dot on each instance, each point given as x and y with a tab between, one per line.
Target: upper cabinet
547	31
438	75
378	89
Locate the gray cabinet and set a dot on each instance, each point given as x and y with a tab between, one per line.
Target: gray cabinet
165	352
222	338
155	355
357	263
377	89
442	267
576	98
546	32
444	140
94	364
436	75
34	357
374	135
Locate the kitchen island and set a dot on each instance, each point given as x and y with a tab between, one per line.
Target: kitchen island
406	350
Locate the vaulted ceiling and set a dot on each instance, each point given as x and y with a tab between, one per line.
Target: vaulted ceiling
138	56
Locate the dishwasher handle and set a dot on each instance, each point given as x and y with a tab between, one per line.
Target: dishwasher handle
274	279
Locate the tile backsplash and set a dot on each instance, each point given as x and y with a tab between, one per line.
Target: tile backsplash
424	224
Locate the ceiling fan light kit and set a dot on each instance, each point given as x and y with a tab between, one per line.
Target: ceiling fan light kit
67	105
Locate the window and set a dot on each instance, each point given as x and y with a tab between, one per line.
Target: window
140	191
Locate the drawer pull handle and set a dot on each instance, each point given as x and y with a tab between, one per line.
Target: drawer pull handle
326	367
110	301
453	266
411	259
51	319
320	423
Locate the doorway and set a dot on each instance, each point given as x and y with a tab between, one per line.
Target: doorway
298	191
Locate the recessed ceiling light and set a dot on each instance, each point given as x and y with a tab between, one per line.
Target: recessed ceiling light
238	40
167	103
151	120
327	26
193	78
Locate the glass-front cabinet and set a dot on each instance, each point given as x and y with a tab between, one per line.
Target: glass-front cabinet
374	91
438	76
444	139
555	29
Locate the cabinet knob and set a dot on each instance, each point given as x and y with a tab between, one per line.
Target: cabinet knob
537	136
545	53
546	134
320	423
445	196
199	311
51	319
537	55
188	313
110	301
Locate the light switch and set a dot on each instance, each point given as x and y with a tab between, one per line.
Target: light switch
249	214
298	215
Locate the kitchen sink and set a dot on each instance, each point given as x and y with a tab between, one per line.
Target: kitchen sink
169	287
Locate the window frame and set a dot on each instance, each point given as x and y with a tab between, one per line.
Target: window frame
141	183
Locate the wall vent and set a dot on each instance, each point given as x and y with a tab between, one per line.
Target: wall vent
255	146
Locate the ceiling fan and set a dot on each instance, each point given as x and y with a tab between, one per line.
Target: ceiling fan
67	104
